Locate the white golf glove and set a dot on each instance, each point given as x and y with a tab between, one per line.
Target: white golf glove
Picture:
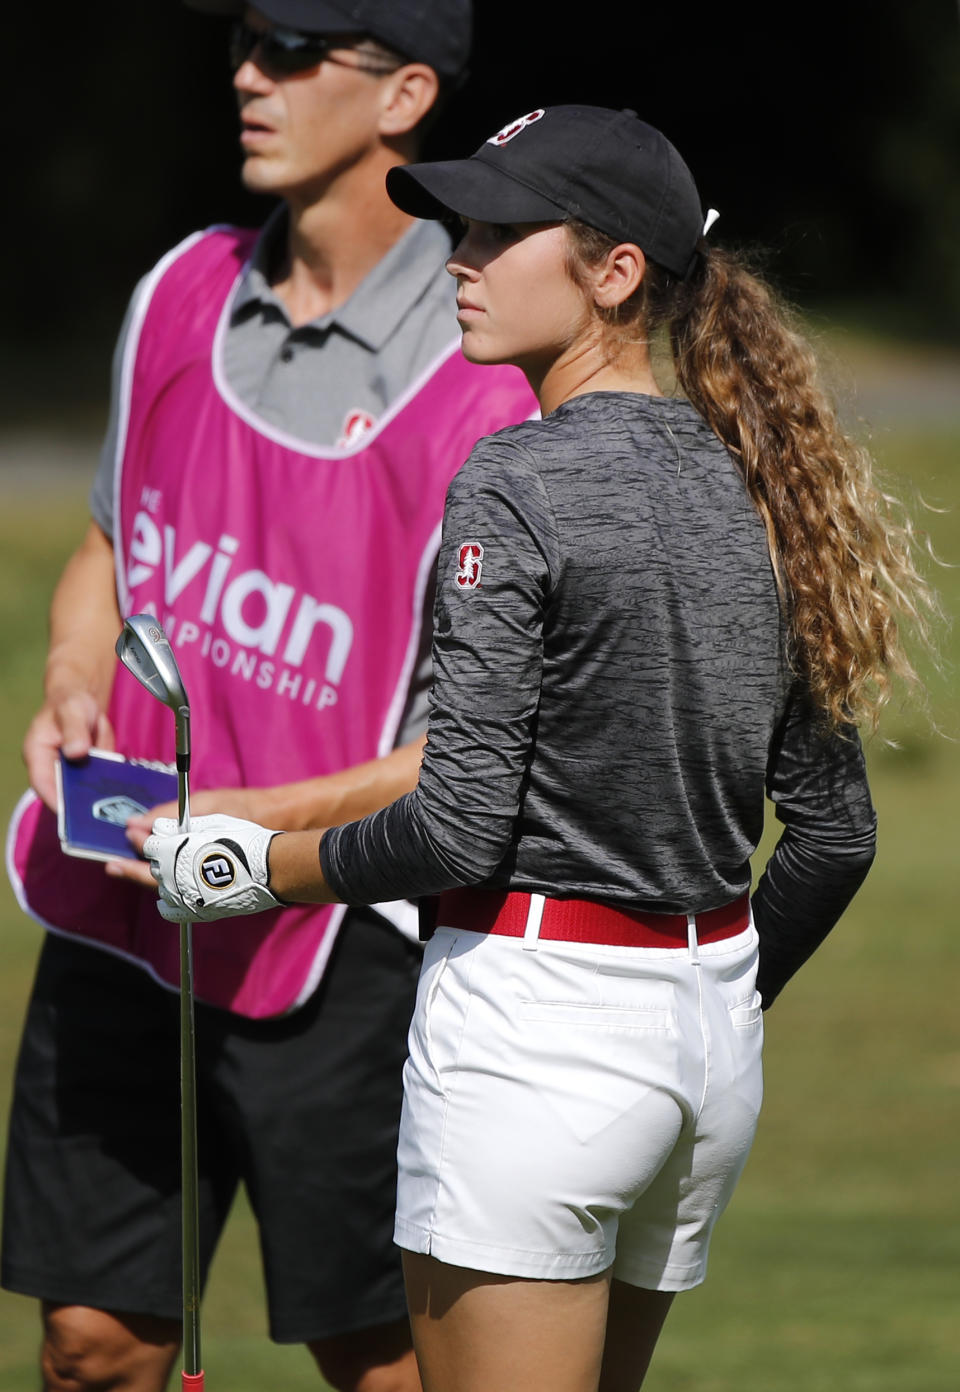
217	869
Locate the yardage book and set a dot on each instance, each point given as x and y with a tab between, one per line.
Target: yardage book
97	794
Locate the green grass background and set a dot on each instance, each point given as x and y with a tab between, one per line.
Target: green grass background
837	1268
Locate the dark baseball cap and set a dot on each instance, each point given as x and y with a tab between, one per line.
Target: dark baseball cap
435	32
607	168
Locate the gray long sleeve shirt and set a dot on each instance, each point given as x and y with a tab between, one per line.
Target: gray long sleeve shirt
612	697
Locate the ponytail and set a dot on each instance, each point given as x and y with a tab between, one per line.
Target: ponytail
842	549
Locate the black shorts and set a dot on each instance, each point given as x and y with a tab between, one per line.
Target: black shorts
304	1110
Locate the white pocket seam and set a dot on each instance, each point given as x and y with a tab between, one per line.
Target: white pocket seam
596	1016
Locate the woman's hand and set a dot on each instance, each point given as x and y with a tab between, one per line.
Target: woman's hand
216	870
225	866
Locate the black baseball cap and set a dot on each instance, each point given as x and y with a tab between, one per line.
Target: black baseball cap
435	32
607	168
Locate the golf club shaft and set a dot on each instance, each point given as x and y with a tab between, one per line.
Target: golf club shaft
144	649
188	1134
188	1159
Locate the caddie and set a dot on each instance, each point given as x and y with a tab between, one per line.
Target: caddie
288	407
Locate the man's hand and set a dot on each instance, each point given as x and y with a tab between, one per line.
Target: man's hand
247	803
216	870
84	623
72	726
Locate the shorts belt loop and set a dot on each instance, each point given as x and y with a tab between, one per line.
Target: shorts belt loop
531	933
692	939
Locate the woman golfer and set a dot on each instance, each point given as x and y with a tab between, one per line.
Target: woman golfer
651	611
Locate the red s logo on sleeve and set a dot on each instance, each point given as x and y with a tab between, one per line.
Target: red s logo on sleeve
470	561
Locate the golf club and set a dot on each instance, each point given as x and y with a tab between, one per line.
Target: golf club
144	649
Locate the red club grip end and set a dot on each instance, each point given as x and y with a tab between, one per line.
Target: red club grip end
192	1382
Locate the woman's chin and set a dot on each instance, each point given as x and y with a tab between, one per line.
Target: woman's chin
479	352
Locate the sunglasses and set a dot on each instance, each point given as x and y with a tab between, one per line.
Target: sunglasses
292	51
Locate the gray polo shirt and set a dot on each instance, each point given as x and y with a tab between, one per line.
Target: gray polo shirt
342	367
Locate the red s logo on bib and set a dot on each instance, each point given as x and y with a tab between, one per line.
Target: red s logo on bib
356	424
470	561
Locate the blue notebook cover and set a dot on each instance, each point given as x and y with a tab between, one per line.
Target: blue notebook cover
98	794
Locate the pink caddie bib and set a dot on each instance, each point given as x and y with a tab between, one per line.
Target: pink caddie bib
290	580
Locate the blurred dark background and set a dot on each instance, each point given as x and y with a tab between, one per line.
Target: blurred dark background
826	134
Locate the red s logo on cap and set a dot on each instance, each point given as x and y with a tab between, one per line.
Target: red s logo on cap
515	127
470	561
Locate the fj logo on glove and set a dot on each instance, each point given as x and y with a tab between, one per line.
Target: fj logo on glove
217	871
219	853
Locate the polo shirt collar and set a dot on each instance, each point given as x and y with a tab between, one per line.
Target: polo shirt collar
380	302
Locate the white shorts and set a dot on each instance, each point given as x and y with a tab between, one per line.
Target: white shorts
574	1107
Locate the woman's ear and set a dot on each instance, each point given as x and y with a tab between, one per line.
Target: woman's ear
618	276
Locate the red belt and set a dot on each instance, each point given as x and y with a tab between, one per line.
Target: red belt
504	912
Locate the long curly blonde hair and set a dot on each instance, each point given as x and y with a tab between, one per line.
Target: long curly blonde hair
844	550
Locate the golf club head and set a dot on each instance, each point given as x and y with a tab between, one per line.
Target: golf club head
144	649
